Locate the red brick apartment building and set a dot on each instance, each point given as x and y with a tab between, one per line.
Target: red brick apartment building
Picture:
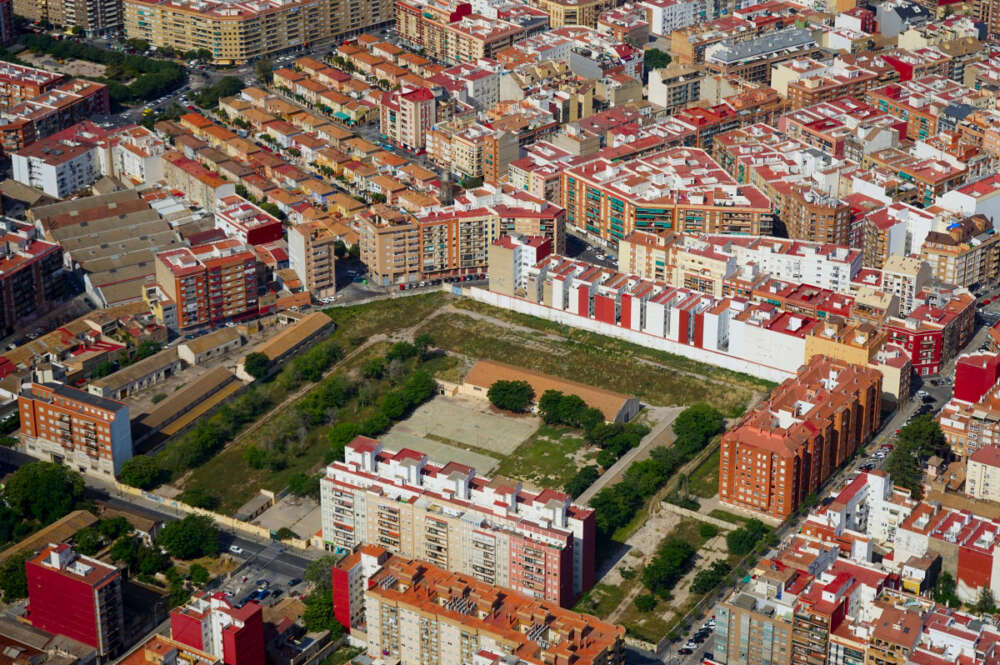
19	83
209	284
64	425
52	111
933	333
788	446
76	596
211	624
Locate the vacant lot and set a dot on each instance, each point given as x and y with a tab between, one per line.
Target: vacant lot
704	480
70	66
549	458
468	422
599	362
357	323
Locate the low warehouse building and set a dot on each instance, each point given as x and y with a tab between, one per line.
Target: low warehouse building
202	349
617	408
138	376
307	330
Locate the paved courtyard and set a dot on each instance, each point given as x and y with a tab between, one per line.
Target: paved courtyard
300	514
468	421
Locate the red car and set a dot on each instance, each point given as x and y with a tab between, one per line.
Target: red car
191	108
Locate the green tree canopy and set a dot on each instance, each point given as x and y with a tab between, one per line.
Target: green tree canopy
43	491
513	396
256	364
654	58
190	538
142	471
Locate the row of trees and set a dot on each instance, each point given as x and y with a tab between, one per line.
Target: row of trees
615	506
150	78
742	541
210	435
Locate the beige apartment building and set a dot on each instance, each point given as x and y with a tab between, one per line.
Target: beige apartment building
982	474
96	17
966	253
469	149
238	32
311	255
573	12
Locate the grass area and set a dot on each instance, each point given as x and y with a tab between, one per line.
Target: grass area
342	655
649	626
593	339
728	517
601	600
546	458
704	480
597	361
446	368
232	481
357	323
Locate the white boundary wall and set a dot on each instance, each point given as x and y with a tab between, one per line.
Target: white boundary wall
706	356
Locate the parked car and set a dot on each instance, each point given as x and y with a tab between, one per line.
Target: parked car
236	549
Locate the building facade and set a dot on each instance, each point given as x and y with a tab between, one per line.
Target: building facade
76	596
212	624
788	446
64	425
537	544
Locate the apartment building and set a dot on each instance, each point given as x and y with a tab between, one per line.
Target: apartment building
752	59
843	128
417	612
680	189
132	154
626	24
242	220
573	12
715	264
469	149
666	16
76	596
921	102
905	277
311	255
452	242
982	474
31	273
350	581
812	215
64	425
209	284
676	86
200	185
449	31
59	165
97	18
934	331
56	109
537	544
210	623
407	115
19	83
238	33
788	446
966	253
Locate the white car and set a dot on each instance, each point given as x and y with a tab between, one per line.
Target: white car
236	549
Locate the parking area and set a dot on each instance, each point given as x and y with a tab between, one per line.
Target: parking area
262	580
300	514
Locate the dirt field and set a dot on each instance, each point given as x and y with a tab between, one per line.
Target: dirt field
70	67
469	422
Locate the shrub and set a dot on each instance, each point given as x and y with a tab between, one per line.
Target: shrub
142	471
645	603
513	396
706	530
256	364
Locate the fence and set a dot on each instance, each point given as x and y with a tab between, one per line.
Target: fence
224	521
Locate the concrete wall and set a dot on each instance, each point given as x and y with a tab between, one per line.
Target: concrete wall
716	358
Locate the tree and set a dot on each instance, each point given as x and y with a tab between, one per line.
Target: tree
105	368
137	44
401	351
374	368
199	574
709	578
256	364
43	491
706	530
301	484
78	31
671	562
513	396
87	541
318	614
984	604
124	550
696	425
583	479
741	541
645	603
264	69
318	572
113	528
14	578
944	591
284	533
654	58
394	405
190	538
199	498
142	471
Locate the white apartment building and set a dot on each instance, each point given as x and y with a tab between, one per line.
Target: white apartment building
57	167
538	544
665	16
905	276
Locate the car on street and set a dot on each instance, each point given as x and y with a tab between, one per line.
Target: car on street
236	549
294	582
685	651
